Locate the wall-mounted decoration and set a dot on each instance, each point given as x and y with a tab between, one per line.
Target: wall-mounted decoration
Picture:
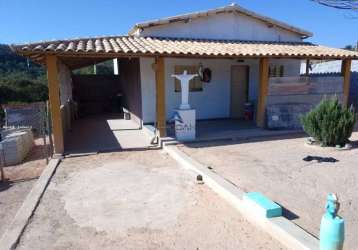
206	76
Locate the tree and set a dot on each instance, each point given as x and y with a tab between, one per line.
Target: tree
350	47
340	4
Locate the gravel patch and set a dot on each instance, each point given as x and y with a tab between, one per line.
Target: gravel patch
276	168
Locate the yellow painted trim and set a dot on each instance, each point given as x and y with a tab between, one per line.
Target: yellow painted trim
263	90
54	100
346	72
160	96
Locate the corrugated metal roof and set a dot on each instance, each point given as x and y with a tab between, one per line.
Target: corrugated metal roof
151	46
233	8
328	67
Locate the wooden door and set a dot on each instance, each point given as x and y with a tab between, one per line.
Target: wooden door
239	90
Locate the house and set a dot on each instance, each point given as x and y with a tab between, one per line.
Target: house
246	57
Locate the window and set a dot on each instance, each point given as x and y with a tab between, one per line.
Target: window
276	71
195	84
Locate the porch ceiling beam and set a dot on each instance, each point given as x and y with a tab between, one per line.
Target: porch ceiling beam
346	73
54	99
263	90
160	96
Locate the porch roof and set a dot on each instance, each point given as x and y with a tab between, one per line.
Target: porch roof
117	46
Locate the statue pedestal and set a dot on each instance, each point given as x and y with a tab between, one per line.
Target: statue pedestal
185	124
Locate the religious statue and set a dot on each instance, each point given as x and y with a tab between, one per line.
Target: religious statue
184	83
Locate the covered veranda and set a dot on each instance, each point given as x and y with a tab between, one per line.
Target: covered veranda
66	55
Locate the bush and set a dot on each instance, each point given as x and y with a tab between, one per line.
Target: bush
330	123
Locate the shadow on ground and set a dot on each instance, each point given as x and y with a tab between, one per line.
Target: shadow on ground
7	184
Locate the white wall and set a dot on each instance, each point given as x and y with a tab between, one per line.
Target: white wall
148	89
292	67
223	26
214	100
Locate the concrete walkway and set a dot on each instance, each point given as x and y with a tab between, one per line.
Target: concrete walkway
105	133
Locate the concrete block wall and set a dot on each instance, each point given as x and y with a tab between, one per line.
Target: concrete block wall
290	97
15	146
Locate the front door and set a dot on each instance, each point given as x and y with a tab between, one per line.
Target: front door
239	90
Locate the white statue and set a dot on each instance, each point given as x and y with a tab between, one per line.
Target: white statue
184	83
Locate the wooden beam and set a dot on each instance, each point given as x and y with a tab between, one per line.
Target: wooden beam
263	90
346	73
307	67
160	96
54	99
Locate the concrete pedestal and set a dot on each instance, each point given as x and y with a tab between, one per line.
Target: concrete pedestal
185	124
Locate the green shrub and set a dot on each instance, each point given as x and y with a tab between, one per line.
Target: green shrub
330	123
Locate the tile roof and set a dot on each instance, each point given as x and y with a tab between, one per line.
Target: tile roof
152	46
233	8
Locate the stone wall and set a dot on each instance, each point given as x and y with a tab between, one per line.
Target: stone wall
15	146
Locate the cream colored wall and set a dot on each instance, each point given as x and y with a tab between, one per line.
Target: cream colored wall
223	26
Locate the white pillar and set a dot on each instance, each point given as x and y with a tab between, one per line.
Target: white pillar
115	66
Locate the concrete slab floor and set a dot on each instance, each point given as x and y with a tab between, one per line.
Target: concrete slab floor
105	133
275	167
135	200
220	129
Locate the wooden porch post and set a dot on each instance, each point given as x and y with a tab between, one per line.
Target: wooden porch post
346	73
307	67
160	96
54	99
263	90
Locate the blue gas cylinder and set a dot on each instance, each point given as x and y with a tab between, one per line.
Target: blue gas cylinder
332	226
331	233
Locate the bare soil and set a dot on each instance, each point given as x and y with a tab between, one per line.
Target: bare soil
19	179
275	167
135	200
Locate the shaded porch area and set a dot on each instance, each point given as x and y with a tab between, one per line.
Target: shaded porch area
105	133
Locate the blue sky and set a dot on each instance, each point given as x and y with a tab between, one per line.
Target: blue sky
35	20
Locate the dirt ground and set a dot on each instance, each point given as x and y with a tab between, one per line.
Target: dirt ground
135	200
276	168
19	181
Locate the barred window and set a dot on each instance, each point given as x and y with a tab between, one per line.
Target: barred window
276	71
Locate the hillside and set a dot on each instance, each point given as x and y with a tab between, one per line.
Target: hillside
20	80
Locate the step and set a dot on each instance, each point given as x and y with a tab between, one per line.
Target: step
262	205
